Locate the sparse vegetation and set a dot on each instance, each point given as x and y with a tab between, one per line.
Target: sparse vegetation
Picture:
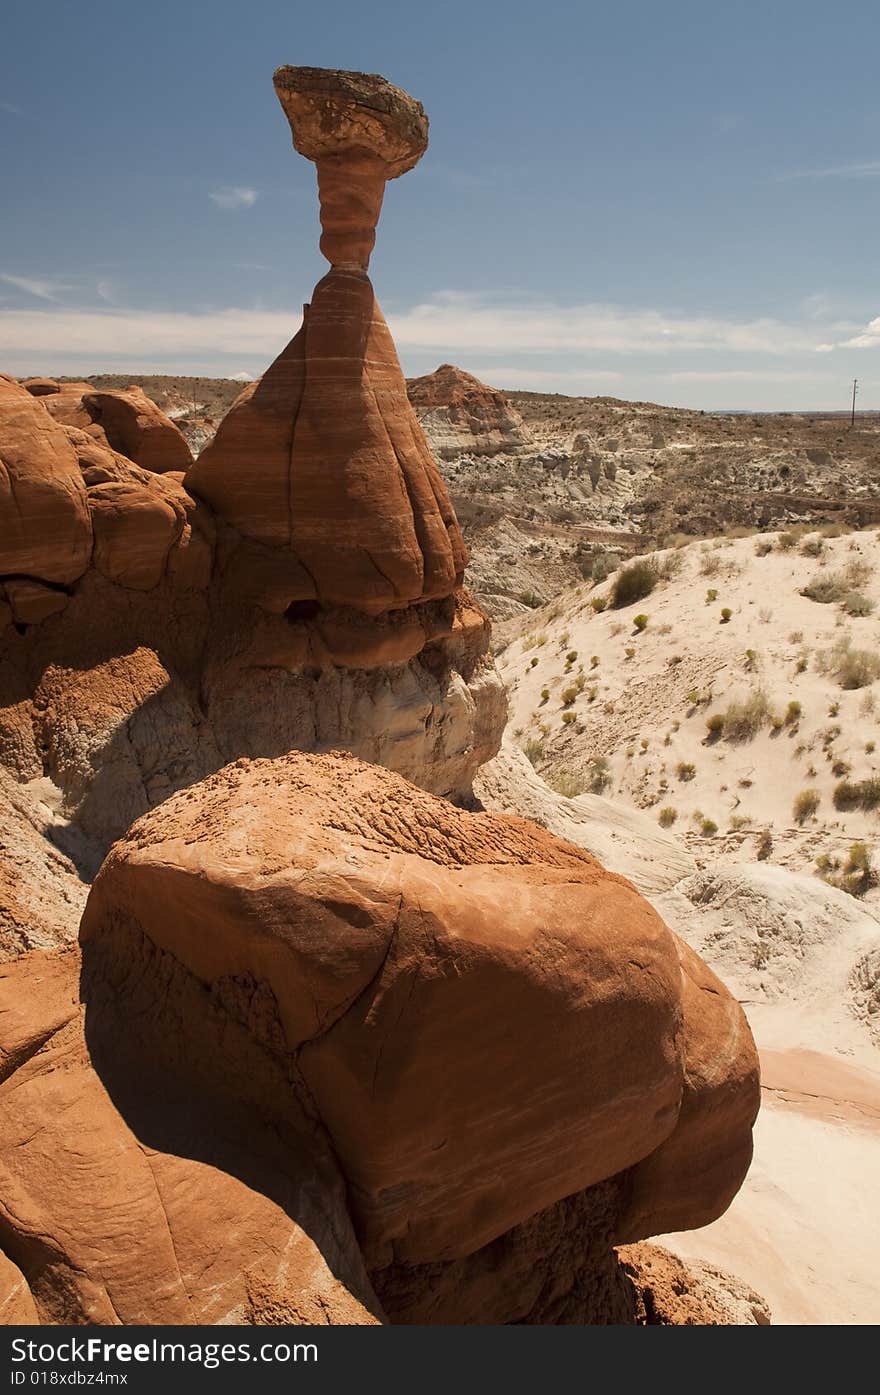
708	828
857	794
566	782
853	668
726	613
805	805
634	583
856	875
667	816
640	622
600	775
685	771
743	718
793	713
765	845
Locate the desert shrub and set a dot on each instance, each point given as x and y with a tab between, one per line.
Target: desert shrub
870	747
669	566
853	668
750	660
726	613
801	665
856	875
765	845
534	749
813	546
594	661
715	724
710	564
580	682
711	595
805	805
600	775
531	599
793	713
834	586
599	603
568	695
568	718
787	541
796	637
685	770
533	662
743	718
629	652
545	695
667	816
603	565
765	615
708	828
566	782
763	546
857	605
640	622
840	768
571	656
739	822
634	582
857	794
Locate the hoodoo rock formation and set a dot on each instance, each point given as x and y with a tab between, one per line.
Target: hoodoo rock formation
322	464
335	1050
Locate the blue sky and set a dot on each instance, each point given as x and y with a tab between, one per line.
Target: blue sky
678	201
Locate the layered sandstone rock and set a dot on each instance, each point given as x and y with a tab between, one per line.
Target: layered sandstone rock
322	465
126	421
359	928
45	529
462	416
126	1200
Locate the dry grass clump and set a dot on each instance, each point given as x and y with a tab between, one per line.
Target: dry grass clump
856	875
805	805
853	668
566	782
835	586
742	719
634	582
857	794
667	816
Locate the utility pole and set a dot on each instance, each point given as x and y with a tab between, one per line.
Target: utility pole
852	420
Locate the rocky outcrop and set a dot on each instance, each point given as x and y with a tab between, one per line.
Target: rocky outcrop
359	928
127	422
322	466
124	1205
45	529
462	416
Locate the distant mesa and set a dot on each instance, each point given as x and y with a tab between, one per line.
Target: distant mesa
462	416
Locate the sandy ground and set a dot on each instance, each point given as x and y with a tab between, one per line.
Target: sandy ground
805	1228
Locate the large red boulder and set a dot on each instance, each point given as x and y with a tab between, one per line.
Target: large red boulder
127	421
485	1019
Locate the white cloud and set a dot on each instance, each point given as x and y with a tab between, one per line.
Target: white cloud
11	108
241	377
454	319
234	197
869	338
40	286
532	344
